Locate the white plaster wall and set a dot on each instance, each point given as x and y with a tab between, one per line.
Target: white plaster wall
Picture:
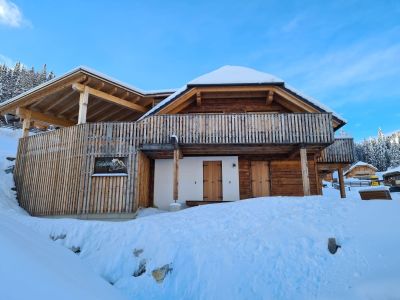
191	179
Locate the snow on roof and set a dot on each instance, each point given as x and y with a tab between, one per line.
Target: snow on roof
90	72
236	75
391	171
360	164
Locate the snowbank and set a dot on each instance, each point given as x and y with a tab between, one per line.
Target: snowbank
32	267
273	248
265	248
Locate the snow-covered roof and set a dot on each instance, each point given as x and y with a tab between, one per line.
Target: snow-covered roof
237	75
92	72
360	164
391	171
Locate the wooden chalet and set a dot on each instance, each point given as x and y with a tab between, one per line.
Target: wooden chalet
392	177
231	134
360	170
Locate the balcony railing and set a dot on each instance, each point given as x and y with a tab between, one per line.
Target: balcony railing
341	151
249	128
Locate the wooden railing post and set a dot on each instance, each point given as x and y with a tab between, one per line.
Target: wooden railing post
341	181
304	171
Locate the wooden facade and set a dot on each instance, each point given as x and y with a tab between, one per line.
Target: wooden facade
361	171
282	142
54	171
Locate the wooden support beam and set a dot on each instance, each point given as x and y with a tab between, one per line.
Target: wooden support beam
38	95
304	171
26	124
125	95
176	174
317	177
293	153
270	97
56	102
34	115
198	99
341	182
110	98
83	103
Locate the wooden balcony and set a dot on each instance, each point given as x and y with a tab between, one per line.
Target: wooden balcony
341	151
249	128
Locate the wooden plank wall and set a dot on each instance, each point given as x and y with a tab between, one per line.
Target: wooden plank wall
48	169
53	172
285	178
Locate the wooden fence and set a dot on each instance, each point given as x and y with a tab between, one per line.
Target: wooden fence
53	172
341	151
249	128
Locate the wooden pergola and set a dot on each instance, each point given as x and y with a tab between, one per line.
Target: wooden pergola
80	96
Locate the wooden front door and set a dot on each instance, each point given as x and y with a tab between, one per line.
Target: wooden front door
260	181
212	180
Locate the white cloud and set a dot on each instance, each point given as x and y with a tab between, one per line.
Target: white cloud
10	14
362	62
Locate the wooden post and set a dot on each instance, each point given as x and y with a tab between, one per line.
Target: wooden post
26	124
83	103
26	115
317	177
341	182
176	174
304	171
177	155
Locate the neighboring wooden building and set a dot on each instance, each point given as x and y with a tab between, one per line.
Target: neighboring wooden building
392	177
231	134
360	170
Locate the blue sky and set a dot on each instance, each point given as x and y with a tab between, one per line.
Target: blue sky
344	53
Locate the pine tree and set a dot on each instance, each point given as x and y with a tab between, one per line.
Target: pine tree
16	80
394	151
381	152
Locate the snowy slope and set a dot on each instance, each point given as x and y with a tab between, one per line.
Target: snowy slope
31	265
266	248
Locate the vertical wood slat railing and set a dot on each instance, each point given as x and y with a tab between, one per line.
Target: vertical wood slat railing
248	128
53	172
341	151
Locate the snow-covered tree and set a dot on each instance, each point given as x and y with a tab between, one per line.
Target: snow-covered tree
382	152
16	80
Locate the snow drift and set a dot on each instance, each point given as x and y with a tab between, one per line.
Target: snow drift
266	248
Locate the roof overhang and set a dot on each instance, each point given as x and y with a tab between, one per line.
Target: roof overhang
284	90
61	89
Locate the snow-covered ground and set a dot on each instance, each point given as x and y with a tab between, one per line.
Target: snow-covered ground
265	248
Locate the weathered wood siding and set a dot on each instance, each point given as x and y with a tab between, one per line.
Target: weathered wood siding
341	151
143	183
53	172
285	176
251	128
360	171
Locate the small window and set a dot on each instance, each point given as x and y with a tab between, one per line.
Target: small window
110	166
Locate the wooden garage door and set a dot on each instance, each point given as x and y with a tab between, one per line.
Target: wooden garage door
260	181
212	180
